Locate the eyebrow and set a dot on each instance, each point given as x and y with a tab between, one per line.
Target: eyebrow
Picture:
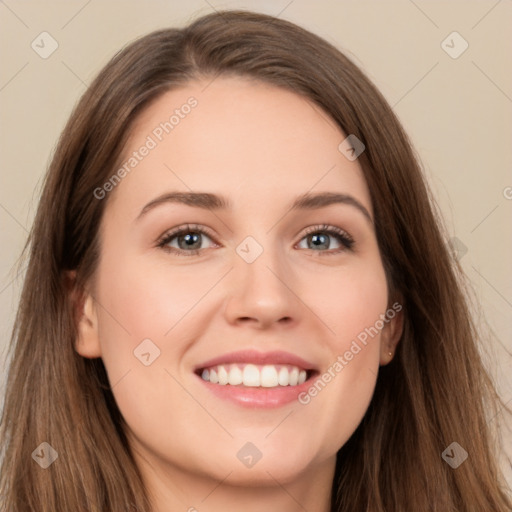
318	200
208	201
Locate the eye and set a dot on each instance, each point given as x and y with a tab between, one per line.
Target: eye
326	239
189	240
185	240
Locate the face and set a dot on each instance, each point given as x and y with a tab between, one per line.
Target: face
240	303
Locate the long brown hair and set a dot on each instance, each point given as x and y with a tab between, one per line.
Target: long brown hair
435	391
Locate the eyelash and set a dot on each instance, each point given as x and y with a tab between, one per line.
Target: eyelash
342	236
182	230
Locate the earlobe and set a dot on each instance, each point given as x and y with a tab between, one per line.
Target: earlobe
390	336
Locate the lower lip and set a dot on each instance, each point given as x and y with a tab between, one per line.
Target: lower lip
258	396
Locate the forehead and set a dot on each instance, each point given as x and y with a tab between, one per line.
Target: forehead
241	137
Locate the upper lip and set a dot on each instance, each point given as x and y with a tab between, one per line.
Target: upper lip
259	358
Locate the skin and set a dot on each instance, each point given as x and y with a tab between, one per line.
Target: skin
260	147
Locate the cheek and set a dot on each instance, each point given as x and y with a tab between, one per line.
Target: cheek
144	329
350	302
148	318
148	301
352	307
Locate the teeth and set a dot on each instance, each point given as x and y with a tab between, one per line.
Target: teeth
269	377
283	377
250	375
235	376
223	376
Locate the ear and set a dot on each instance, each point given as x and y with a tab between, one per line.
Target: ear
84	306
391	333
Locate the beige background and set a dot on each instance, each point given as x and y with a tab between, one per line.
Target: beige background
456	110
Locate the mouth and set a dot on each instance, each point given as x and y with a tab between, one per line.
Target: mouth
255	379
254	376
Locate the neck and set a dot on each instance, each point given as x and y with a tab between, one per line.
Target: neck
173	488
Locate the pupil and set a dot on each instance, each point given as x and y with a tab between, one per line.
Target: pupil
320	240
191	239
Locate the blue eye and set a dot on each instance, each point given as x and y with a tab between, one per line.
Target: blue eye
186	240
322	238
189	240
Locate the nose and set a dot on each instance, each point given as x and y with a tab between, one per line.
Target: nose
263	293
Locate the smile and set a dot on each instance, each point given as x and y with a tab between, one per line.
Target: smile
252	375
253	379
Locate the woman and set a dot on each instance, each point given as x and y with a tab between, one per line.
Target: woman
239	296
